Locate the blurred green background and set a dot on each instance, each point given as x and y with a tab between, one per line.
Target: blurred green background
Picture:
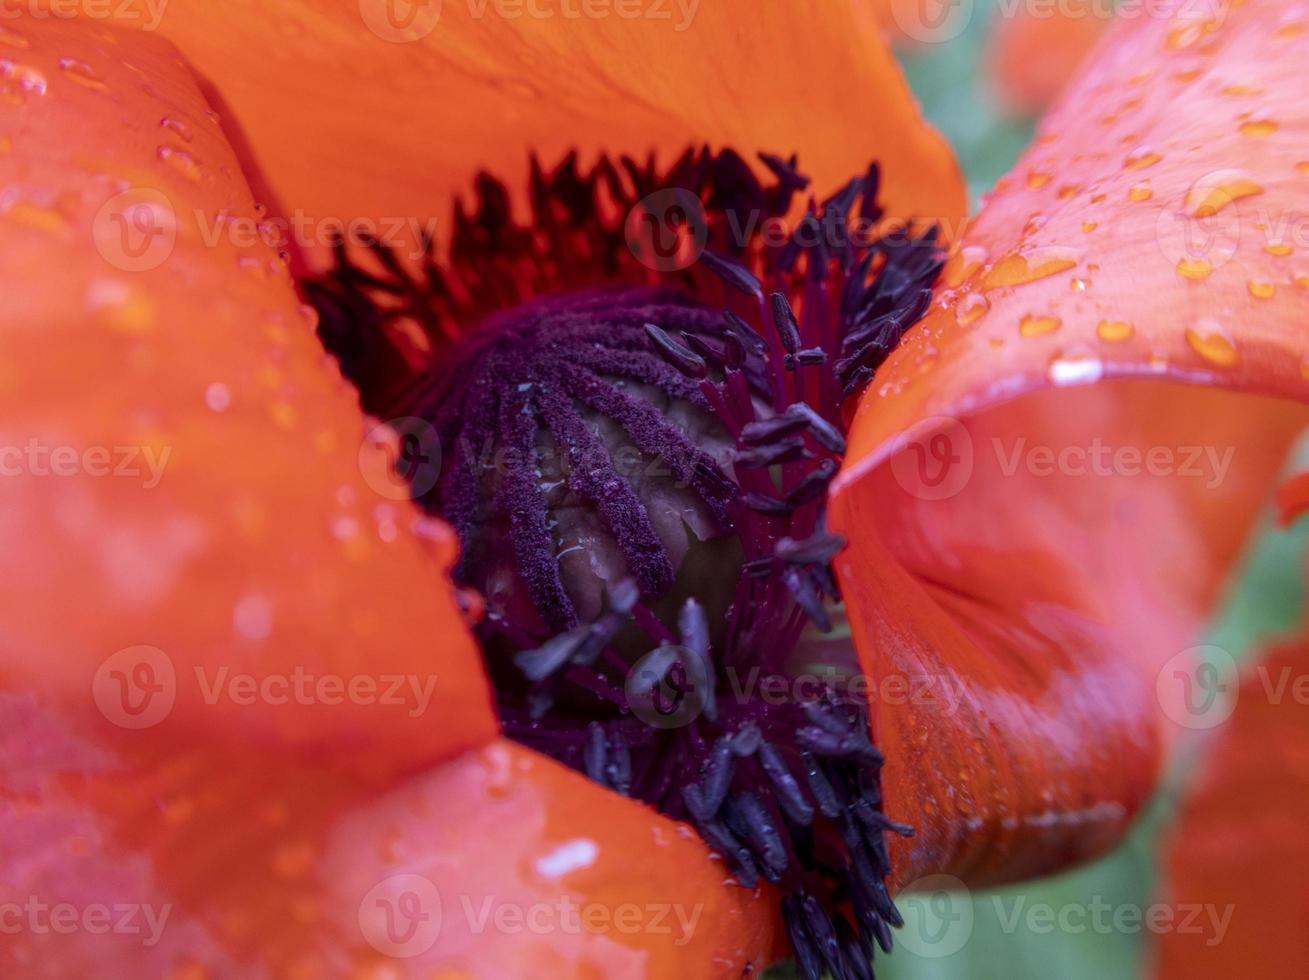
1263	603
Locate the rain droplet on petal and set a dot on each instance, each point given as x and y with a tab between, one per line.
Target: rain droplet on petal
81	73
1033	325
1114	330
1189	268
1259	128
1215	191
1211	341
1261	288
1030	265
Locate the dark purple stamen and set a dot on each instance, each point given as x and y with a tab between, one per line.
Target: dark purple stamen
731	375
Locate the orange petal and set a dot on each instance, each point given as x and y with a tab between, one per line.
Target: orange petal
1044	594
198	533
1032	52
497	863
1238	853
386	108
1292	499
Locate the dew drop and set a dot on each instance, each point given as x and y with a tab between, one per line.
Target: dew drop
27	78
1261	288
1215	191
1037	179
218	397
1139	192
1242	90
1030	265
1140	159
181	161
1114	330
1259	128
81	73
1078	285
962	265
178	127
1303	167
1301	279
1090	226
1278	248
1033	325
1075	369
971	308
1189	268
1211	342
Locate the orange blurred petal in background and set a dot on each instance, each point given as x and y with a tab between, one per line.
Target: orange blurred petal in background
1034	48
1238	851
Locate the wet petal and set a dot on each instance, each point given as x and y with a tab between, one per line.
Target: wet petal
496	863
1002	547
384	108
200	533
1238	855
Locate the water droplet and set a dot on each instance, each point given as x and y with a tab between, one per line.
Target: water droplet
1078	285
1033	325
181	161
1215	191
1194	268
28	79
1188	33
81	73
1140	159
1261	288
962	264
1242	90
1259	128
1288	31
1090	226
1114	330
1037	179
1030	265
971	307
1139	192
1278	248
1075	369
218	397
1301	279
1210	341
177	127
1303	167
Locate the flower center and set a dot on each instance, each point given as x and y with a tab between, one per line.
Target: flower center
636	442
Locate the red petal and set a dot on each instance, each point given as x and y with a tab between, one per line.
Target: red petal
1238	854
350	116
1042	593
263	540
497	863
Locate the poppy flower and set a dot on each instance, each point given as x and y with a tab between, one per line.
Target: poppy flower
210	739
